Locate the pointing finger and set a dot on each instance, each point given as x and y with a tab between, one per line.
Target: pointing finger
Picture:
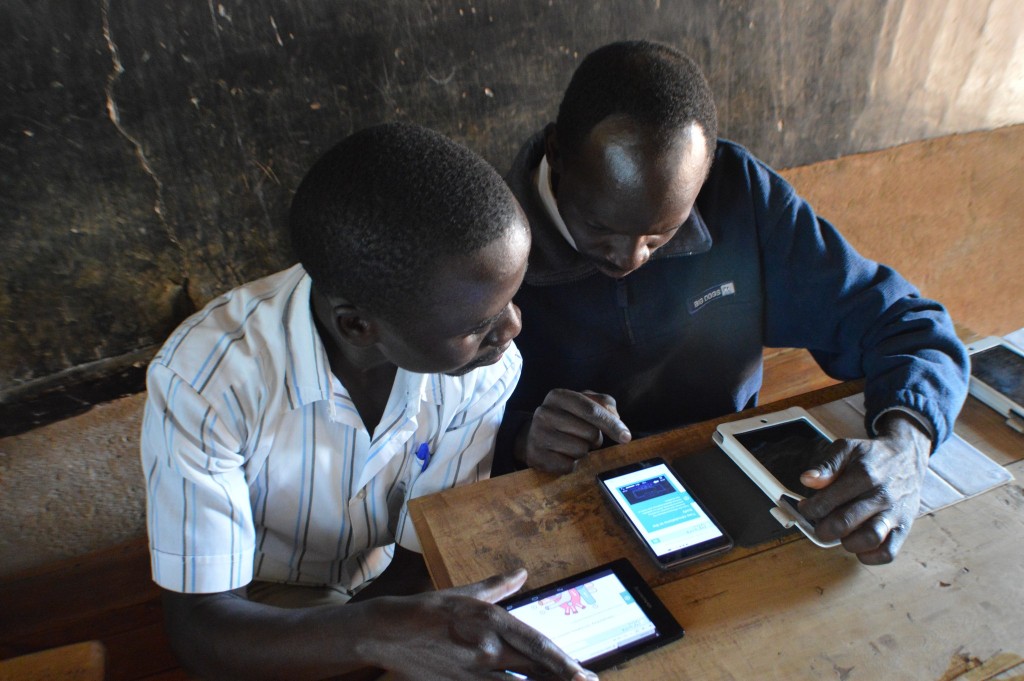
596	409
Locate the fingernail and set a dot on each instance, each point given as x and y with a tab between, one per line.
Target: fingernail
813	473
625	436
585	676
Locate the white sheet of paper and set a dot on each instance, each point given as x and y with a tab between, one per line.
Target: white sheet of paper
956	471
1016	337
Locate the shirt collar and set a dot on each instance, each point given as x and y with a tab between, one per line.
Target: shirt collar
547	199
308	371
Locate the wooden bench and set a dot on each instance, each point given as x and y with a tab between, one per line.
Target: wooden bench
105	596
75	662
108	596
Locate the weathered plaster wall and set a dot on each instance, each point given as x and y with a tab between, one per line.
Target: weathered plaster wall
77	485
148	150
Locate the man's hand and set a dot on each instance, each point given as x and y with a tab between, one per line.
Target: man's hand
458	634
566	427
870	490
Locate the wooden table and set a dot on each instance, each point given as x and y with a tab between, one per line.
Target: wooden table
953	600
83	661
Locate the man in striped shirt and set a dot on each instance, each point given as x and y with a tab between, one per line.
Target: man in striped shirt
289	422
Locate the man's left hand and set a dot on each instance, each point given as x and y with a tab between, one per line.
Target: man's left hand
870	490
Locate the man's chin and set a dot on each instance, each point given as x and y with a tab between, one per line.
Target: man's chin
615	274
609	271
486	360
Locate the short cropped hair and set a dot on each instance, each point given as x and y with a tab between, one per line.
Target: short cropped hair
376	212
652	83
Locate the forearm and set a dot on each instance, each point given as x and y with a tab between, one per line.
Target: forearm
860	320
916	362
519	445
228	636
225	636
510	444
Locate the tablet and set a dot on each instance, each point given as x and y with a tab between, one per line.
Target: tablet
773	450
672	524
997	377
602	617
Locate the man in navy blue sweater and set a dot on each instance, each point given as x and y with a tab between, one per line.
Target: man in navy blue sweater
665	259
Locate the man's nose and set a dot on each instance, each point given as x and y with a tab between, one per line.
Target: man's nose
631	254
507	328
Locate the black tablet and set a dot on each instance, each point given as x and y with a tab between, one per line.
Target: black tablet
602	617
672	524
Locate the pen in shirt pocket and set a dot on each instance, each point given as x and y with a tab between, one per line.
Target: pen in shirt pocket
423	454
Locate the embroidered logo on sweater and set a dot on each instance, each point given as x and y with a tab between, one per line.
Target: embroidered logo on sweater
714	293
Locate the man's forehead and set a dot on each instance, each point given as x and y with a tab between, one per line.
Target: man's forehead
468	289
620	155
622	130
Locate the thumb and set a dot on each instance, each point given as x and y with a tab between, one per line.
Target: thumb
494	588
826	470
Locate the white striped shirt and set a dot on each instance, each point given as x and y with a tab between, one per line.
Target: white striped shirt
258	466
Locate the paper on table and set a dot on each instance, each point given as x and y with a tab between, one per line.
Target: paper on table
1016	337
956	471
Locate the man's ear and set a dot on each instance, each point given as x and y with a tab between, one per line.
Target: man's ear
551	149
354	325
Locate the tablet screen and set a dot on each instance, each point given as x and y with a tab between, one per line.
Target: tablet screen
786	450
663	512
598	617
1002	370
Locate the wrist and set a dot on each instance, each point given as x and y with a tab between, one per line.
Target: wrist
519	455
901	426
374	621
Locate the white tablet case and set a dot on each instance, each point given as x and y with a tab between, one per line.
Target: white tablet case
768	483
1013	412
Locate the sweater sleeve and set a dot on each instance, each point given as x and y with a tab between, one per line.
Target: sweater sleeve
858	318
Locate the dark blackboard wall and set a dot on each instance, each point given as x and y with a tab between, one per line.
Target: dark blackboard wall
149	148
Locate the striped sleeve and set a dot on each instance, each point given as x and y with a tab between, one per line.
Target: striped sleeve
198	512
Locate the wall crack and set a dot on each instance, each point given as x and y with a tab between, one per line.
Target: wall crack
114	114
251	185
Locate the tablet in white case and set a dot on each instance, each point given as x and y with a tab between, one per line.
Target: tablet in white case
773	450
997	377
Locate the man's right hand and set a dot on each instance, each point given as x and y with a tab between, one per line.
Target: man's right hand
566	427
455	634
459	634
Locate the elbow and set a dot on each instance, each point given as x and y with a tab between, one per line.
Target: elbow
190	622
